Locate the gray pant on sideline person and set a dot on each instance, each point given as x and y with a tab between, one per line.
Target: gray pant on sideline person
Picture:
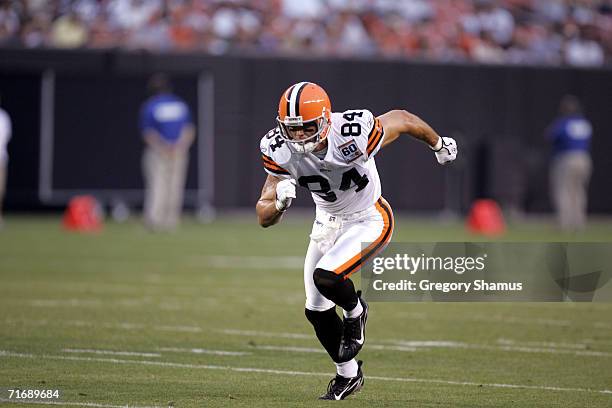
570	175
165	183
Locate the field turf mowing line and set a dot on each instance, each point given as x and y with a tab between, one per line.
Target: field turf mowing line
64	296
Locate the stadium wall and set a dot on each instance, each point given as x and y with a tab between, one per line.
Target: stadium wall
498	115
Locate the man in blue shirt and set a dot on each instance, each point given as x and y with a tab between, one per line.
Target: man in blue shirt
570	135
168	132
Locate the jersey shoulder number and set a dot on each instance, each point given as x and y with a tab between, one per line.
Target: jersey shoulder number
274	151
361	126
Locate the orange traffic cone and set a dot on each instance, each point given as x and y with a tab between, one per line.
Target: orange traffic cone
486	218
83	214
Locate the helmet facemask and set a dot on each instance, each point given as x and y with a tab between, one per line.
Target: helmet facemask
309	142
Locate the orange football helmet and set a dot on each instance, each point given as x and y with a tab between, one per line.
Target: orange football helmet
304	114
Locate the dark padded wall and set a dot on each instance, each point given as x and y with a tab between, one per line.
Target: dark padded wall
498	115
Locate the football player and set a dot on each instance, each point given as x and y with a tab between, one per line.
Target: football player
332	155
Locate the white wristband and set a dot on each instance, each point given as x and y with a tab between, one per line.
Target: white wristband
438	145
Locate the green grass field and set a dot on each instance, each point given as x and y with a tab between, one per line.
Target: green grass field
212	315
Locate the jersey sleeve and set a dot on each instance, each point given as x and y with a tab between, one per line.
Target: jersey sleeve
375	136
371	131
269	164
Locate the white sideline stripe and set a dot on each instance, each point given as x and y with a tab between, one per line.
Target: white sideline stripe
597	341
492	385
205	351
118	325
511	319
251	262
519	348
87	302
111	352
4	353
544	350
428	343
546	344
475	318
398	345
190	329
75	404
408	345
320	350
392	348
416	346
265	334
288	348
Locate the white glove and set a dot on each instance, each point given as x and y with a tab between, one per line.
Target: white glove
285	193
445	149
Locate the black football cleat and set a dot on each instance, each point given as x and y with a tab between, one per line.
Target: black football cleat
340	387
353	333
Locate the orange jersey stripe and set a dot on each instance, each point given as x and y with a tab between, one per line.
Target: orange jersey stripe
277	170
374	130
354	264
372	145
268	159
272	166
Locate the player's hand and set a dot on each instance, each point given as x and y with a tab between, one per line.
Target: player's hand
285	193
446	150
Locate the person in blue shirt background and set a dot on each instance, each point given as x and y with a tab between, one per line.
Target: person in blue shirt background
168	132
570	135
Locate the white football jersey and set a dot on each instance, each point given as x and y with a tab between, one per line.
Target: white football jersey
345	180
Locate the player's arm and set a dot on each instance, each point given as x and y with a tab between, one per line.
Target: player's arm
187	137
153	139
396	122
276	196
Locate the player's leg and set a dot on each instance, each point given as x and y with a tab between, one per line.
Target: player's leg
160	177
581	176
332	275
321	313
176	189
559	190
148	169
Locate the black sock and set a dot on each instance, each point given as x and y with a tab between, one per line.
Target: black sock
328	328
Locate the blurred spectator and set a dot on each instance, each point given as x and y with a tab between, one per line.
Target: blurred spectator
154	35
573	32
132	14
68	31
35	31
580	50
5	135
9	22
168	132
570	135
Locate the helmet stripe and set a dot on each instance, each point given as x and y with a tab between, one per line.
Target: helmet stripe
297	100
288	98
294	99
